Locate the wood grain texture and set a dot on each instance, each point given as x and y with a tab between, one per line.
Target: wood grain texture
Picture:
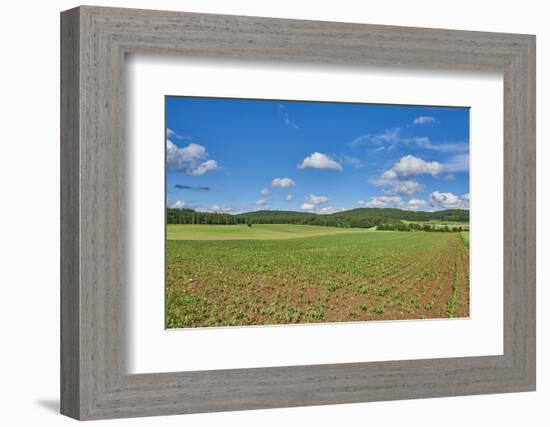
70	263
94	381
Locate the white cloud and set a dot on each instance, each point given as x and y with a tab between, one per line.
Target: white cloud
320	161
190	152
365	138
410	166
316	200
389	175
172	134
286	117
392	137
179	204
262	202
312	202
389	137
283	182
325	210
190	159
408	188
449	200
359	140
204	167
424	120
289	197
452	147
416	204
221	209
458	163
382	202
444	199
352	161
264	192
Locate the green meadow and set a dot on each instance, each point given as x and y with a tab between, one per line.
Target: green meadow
257	232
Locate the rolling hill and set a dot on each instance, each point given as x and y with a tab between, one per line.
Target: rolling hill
360	217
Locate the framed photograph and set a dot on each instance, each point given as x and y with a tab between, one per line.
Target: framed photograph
272	228
262	213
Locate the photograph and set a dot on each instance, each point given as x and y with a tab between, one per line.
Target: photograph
289	212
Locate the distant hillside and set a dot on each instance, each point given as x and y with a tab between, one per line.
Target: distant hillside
273	217
361	217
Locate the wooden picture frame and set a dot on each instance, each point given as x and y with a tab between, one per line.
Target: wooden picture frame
94	382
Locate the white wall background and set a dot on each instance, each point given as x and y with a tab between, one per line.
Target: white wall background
29	224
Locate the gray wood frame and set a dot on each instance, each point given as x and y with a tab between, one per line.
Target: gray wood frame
94	382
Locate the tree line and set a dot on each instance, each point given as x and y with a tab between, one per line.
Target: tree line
190	216
411	226
356	218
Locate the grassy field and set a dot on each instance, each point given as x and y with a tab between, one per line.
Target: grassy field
441	224
465	235
256	232
273	274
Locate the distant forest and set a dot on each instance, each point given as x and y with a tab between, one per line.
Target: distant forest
361	217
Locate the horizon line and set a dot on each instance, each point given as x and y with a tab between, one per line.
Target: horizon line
313	213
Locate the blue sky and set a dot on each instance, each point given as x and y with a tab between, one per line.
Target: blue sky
240	155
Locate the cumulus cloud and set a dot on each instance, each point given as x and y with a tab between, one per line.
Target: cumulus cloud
312	201
424	120
387	176
325	210
262	202
289	197
410	166
179	204
320	208
222	209
264	192
382	202
416	204
283	182
408	188
190	159
447	200
318	160
204	167
316	200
